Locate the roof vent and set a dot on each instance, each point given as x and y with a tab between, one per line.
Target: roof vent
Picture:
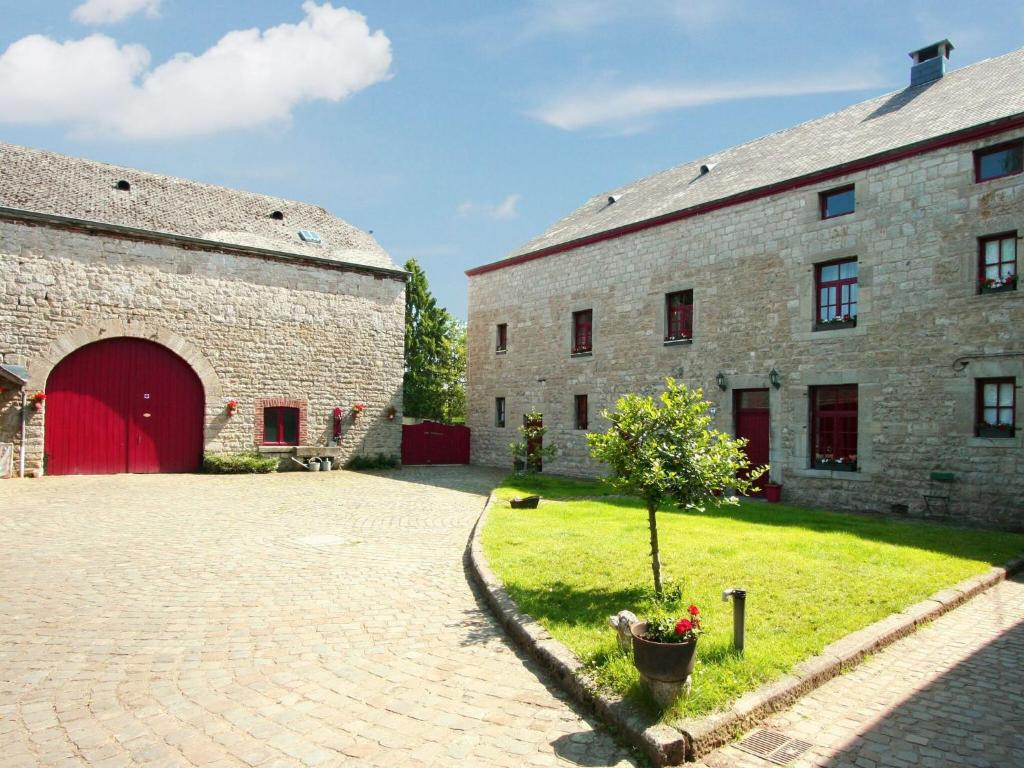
929	62
613	199
123	185
277	216
705	169
309	236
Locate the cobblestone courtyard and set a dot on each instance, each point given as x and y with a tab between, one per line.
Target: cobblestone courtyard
282	620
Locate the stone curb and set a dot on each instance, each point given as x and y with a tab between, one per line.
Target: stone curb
693	738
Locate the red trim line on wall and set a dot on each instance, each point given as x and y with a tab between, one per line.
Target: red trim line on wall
872	161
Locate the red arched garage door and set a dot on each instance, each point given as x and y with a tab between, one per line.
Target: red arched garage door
123	405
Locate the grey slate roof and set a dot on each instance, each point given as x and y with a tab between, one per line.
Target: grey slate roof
46	182
964	98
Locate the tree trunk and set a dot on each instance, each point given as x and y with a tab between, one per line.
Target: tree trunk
652	522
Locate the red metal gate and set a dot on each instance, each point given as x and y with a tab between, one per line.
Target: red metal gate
123	405
433	443
752	422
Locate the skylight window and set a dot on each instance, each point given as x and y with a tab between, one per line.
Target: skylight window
309	236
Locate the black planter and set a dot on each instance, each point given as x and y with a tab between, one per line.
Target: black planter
666	662
987	430
835	325
530	502
1000	289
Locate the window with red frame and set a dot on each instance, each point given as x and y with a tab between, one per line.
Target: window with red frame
581	412
583	331
996	407
997	263
837	202
837	294
280	426
999	161
679	316
501	344
834	427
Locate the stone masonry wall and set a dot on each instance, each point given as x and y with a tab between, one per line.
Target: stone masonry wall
254	328
752	270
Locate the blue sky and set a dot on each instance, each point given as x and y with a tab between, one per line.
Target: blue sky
454	130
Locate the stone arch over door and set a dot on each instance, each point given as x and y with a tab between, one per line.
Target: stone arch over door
40	367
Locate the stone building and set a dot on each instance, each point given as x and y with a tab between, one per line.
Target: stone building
145	319
844	292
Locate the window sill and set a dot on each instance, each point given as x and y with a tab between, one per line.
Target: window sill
995	442
501	351
581	354
677	342
829	474
276	448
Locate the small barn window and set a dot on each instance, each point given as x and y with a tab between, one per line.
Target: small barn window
280	426
277	216
123	185
581	412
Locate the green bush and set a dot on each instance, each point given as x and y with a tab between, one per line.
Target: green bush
380	461
238	464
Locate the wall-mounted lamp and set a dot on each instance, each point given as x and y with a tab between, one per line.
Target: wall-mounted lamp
720	381
713	410
775	378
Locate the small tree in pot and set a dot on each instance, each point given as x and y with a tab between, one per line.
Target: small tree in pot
667	453
531	452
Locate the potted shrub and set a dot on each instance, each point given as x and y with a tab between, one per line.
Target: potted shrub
665	647
37	400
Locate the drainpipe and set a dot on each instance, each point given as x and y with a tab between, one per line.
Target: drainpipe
21	448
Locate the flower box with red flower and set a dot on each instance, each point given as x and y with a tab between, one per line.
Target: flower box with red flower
37	400
665	647
985	429
357	409
839	321
231	407
998	285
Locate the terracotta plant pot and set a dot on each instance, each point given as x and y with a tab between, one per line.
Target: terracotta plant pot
665	662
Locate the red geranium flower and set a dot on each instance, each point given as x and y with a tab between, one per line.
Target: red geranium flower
683	626
694	610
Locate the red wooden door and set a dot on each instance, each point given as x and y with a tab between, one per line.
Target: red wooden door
123	405
752	423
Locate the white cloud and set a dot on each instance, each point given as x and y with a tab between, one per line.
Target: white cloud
113	11
505	210
248	78
631	108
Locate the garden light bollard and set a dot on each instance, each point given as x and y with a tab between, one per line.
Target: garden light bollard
739	610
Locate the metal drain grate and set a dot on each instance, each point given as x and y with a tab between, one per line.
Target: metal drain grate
774	747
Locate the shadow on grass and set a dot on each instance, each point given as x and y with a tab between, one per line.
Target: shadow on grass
575	605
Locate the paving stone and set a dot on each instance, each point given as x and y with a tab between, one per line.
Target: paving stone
282	620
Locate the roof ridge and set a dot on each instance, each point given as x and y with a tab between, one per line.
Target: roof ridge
887	95
165	176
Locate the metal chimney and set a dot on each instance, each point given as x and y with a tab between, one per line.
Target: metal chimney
929	62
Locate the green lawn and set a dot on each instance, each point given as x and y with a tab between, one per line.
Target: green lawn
812	576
